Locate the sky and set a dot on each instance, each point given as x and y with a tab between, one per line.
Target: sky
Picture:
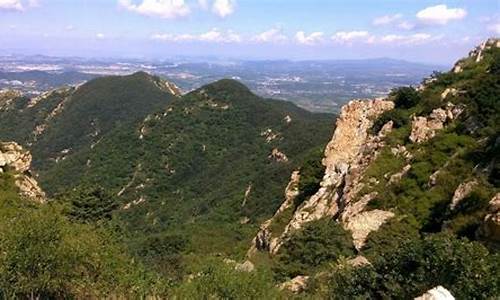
437	31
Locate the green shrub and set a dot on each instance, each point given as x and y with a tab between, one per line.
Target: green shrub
399	118
218	280
311	174
318	243
465	268
44	255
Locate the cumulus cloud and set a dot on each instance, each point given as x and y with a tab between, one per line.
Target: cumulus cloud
167	9
388	19
11	5
413	39
350	36
440	14
394	20
211	36
273	35
100	36
302	38
223	8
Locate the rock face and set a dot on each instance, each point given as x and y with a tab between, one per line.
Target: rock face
397	177
346	158
362	224
490	228
246	266
296	285
278	156
264	240
7	97
358	261
14	158
462	191
437	293
477	53
424	128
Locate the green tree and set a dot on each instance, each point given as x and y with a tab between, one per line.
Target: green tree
90	204
405	97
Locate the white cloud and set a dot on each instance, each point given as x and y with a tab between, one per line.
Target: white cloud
100	36
350	36
273	35
388	19
223	8
406	25
11	5
167	9
413	39
212	36
311	39
440	14
495	28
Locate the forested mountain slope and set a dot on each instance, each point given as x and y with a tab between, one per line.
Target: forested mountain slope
205	167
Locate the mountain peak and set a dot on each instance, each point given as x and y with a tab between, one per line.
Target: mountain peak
227	86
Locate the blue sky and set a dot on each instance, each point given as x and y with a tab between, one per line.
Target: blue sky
416	30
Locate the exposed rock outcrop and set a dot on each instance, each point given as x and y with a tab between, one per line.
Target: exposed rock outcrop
358	261
296	285
362	224
7	97
270	135
462	191
167	86
278	156
477	54
346	158
17	160
437	293
14	157
490	229
449	92
398	176
264	240
424	128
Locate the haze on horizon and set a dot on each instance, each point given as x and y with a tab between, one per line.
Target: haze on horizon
435	32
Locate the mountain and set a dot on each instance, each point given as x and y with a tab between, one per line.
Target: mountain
73	118
211	163
155	194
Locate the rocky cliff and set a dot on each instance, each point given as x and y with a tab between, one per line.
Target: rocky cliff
15	159
345	158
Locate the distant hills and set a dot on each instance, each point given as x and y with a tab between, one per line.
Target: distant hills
321	86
